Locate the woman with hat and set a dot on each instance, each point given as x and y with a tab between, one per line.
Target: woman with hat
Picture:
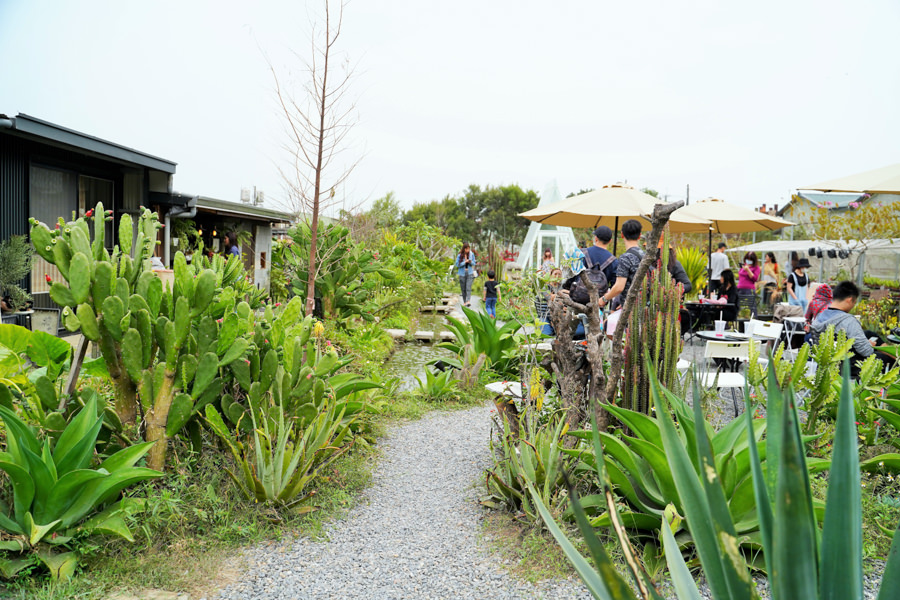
798	283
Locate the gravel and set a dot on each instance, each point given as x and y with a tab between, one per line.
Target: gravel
414	535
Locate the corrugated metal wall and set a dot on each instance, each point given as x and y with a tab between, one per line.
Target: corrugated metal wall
13	187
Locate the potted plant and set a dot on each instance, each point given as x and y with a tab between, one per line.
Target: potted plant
15	265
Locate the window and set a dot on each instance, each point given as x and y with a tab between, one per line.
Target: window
55	193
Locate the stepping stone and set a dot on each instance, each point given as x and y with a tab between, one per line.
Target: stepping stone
425	336
446	336
396	334
433	308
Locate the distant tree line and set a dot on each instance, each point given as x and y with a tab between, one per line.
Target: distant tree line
479	215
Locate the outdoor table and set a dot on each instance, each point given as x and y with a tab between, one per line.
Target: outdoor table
729	336
704	313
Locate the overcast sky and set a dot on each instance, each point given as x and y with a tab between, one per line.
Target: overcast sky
741	101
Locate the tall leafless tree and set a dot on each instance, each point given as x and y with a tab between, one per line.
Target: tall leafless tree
317	121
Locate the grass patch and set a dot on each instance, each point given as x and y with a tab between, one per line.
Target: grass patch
525	551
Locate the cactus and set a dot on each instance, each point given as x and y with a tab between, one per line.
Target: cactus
149	336
654	331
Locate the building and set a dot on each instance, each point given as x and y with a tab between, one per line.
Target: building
48	171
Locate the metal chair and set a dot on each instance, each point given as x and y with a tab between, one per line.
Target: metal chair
730	354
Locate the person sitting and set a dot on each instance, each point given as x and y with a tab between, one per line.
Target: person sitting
821	300
728	294
845	295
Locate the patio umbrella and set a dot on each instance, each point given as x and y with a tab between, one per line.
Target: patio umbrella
885	180
608	206
722	217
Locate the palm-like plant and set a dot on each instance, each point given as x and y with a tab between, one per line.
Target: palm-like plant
694	262
497	344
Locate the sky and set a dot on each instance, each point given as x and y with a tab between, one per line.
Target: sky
740	101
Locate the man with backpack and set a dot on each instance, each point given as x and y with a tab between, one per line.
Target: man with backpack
601	267
628	265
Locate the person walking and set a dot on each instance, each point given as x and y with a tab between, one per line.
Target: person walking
490	295
747	278
798	284
718	262
465	270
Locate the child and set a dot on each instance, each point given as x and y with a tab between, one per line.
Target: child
490	295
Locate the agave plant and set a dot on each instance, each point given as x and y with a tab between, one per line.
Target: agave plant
802	562
284	453
535	457
57	497
641	471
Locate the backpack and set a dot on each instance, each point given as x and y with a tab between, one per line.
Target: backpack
595	273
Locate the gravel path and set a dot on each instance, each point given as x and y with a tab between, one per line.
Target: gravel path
415	535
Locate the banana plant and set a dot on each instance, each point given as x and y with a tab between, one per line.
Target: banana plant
801	560
57	497
150	337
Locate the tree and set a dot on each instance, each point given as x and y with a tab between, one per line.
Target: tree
317	123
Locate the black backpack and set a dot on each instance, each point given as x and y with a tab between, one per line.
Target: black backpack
595	273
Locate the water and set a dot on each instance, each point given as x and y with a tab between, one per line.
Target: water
409	361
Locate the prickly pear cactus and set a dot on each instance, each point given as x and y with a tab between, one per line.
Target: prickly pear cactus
161	347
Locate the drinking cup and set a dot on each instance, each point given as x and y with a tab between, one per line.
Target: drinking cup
720	328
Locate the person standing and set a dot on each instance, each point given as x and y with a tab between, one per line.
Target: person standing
599	253
798	284
747	278
465	270
229	243
490	295
628	264
548	264
718	262
770	278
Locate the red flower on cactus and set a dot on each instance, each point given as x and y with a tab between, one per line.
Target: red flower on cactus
57	225
89	213
49	280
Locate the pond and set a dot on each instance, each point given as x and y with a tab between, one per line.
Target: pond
409	361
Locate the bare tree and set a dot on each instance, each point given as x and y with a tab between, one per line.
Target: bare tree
317	122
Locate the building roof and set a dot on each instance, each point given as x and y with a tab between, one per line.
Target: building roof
240	209
831	201
33	128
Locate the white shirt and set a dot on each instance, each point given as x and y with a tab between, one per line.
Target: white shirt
718	263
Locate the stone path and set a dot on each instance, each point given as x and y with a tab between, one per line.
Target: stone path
415	534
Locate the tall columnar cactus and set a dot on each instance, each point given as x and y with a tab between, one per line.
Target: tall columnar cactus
150	337
654	331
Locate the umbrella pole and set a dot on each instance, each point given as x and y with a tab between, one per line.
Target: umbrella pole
616	236
709	261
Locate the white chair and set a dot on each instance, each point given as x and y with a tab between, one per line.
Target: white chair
793	326
734	352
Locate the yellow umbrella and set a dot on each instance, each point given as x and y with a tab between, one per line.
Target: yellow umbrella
722	217
885	180
608	206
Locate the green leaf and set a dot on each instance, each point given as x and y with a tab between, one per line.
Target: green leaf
840	566
682	580
15	338
62	566
795	562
